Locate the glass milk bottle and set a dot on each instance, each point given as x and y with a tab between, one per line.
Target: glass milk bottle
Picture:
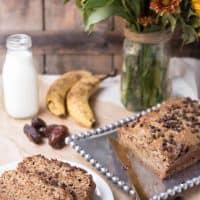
20	81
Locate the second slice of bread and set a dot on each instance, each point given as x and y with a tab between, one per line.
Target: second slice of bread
15	185
61	174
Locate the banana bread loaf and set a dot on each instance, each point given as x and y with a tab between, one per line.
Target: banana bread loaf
15	185
62	174
166	140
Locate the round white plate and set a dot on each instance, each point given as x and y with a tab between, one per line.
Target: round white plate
103	191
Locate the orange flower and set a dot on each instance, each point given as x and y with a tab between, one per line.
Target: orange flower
146	20
165	6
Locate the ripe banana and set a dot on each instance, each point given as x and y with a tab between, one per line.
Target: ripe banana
55	99
77	100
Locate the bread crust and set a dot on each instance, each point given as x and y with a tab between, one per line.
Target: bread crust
16	185
61	174
166	140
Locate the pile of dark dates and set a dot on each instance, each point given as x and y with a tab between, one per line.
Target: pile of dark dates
38	130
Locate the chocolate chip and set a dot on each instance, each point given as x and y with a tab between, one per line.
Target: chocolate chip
163	147
164	140
195	131
171	141
53	181
125	167
162	135
183	148
198	136
178	156
164	144
186	149
154	136
169	149
180	147
133	124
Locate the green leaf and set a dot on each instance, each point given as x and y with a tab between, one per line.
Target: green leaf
66	1
190	13
79	4
172	21
164	20
195	22
101	14
152	28
135	5
91	4
189	34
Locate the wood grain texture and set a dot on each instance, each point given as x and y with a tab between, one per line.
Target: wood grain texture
119	25
20	15
57	64
39	63
67	18
62	42
60	16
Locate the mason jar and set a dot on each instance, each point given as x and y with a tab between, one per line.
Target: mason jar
144	76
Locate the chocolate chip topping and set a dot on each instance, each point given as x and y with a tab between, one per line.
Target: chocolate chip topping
175	119
135	122
171	120
177	116
172	129
168	144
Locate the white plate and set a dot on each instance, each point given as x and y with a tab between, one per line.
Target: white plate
103	191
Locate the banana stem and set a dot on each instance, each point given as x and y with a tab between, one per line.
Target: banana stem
105	76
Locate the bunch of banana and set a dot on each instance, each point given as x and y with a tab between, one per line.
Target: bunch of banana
71	92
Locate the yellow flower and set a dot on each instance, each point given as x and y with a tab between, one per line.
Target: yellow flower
165	2
196	6
165	6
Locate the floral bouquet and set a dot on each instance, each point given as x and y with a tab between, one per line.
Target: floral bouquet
149	24
145	15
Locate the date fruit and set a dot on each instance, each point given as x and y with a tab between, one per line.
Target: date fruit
32	134
56	135
42	131
38	130
38	123
49	129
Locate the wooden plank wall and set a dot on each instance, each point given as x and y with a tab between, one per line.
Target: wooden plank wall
59	40
17	15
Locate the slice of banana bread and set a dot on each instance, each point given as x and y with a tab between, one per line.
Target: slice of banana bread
15	185
62	174
166	140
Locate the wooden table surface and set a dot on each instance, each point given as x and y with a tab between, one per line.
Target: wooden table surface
14	145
